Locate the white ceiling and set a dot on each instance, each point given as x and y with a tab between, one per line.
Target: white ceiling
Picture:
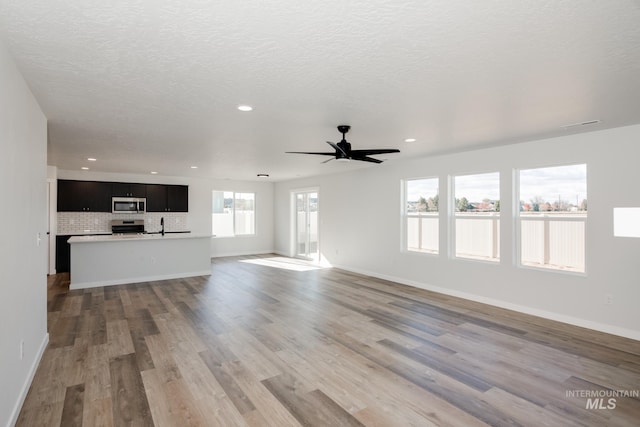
148	85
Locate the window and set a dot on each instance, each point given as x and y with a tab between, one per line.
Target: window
477	216
553	216
421	215
233	214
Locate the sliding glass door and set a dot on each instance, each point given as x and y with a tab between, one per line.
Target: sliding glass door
306	225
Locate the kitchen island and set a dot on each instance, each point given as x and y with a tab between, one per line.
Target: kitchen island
133	258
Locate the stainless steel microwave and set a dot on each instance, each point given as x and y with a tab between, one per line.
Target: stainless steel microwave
128	205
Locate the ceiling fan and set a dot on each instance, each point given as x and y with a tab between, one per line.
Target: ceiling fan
344	153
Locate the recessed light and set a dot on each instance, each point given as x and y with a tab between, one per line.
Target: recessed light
410	140
263	175
91	159
194	167
84	168
245	107
154	173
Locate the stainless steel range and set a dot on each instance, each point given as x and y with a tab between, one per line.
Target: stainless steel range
127	226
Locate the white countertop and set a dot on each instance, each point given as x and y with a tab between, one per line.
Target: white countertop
133	237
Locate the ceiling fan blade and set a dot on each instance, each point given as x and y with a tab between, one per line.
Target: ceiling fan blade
366	159
307	152
337	148
343	150
374	151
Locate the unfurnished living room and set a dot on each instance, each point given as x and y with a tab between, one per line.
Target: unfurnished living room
339	213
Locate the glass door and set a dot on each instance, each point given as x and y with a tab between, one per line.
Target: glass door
306	214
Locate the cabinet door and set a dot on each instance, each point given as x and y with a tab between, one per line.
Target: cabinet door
84	196
120	189
156	198
127	189
138	190
63	254
77	196
178	198
100	197
68	201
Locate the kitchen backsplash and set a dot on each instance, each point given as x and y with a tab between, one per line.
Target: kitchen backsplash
100	222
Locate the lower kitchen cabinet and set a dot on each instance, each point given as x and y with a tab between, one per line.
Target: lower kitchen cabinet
63	254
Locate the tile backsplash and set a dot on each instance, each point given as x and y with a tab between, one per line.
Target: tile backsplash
100	222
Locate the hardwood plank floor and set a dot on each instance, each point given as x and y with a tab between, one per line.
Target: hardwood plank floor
256	345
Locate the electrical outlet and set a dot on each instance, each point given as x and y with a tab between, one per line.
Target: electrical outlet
21	349
608	299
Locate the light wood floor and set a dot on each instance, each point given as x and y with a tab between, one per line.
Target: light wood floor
255	345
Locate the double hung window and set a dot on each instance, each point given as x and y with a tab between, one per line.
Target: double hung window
552	217
477	216
421	215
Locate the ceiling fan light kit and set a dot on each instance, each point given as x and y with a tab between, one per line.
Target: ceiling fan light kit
344	153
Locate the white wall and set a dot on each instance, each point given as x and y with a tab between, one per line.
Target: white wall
23	214
200	203
360	230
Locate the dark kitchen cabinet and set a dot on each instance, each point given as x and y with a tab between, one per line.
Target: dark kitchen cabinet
63	254
178	198
167	198
126	189
156	198
84	196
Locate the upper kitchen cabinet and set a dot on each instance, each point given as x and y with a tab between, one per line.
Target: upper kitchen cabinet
167	198
126	189
178	198
84	196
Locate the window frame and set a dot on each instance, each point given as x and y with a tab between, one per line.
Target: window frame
406	216
454	216
233	215
517	223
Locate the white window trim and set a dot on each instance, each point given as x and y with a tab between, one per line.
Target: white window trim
404	215
233	216
517	224
453	216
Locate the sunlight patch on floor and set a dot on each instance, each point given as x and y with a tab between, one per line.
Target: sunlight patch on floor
285	263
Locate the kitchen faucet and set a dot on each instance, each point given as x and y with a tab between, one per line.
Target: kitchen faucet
162	225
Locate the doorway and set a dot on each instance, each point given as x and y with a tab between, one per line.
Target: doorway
306	225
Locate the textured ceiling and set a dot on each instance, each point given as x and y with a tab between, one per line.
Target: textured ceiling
153	85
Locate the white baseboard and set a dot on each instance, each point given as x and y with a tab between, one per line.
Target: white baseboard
27	384
558	317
